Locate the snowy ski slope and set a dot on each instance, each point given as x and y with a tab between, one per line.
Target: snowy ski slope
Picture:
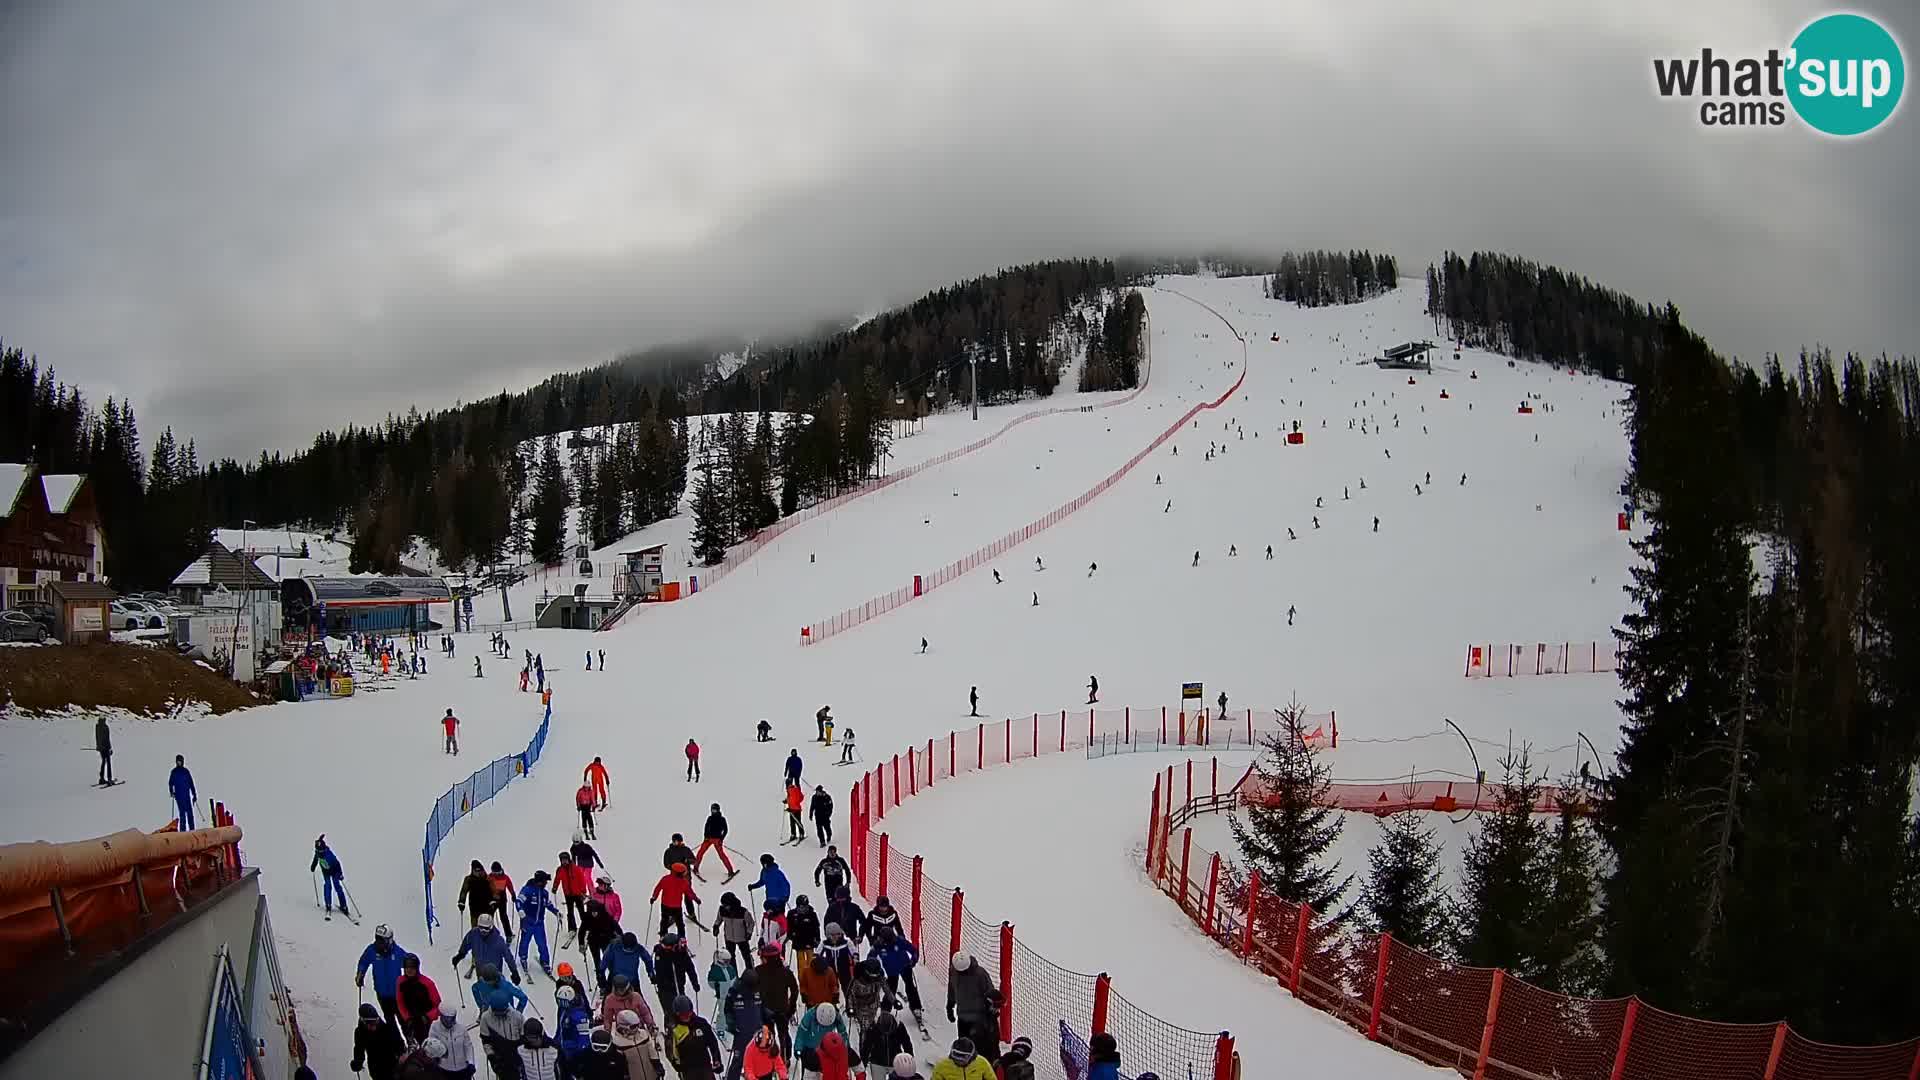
1526	550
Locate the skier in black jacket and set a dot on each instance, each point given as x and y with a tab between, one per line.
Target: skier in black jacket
677	852
476	894
803	928
882	917
712	838
845	912
836	872
376	1045
821	809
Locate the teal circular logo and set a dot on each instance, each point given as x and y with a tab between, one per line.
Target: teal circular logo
1846	75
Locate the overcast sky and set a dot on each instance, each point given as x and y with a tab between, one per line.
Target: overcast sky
261	219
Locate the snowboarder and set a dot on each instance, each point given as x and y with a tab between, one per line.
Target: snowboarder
451	723
675	894
820	808
384	957
713	838
973	701
1093	689
763	731
180	786
103	745
583	802
535	902
794	801
794	765
1290	534
332	877
595	774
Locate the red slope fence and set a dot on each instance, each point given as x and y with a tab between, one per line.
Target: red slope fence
1542	658
707	576
922	584
1481	1022
1039	994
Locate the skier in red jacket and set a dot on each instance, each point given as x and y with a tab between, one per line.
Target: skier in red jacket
583	802
452	724
675	892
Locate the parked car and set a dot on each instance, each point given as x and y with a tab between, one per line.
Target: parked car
19	626
133	615
40	611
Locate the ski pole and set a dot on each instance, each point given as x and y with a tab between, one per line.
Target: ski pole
316	887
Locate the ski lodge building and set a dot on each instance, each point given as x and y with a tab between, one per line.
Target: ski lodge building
49	531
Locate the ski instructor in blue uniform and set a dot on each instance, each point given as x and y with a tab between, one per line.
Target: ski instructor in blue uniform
331	877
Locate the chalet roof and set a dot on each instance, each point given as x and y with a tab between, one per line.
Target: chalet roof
13	478
60	489
81	590
220	566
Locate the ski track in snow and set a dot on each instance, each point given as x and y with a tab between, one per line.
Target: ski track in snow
1383	623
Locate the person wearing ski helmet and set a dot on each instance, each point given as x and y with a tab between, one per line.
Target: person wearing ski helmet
584	854
733	924
1017	1062
603	892
487	947
539	1056
455	1060
676	851
600	1061
576	884
838	950
573	1023
376	1045
624	996
803	928
487	983
332	876
905	1068
762	1057
721	974
675	894
418	1000
384	957
714	838
962	1063
815	1024
634	1042
691	1045
502	897
500	1028
779	994
774	880
673	970
897	958
1103	1058
599	931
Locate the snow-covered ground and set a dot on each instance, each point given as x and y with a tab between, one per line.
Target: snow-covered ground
1525	550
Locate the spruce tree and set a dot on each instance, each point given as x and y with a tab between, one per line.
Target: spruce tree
1289	830
551	501
1402	894
1567	932
1502	880
710	515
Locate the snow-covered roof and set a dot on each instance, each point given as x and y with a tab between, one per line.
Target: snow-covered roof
198	572
60	490
13	477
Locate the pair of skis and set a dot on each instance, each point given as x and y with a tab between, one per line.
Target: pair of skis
346	901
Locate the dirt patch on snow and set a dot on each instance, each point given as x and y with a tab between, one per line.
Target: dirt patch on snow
139	679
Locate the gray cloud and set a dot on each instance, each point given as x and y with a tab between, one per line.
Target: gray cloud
261	220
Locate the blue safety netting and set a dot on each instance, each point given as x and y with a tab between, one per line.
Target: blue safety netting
464	797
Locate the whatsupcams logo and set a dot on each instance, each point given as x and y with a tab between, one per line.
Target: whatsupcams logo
1842	76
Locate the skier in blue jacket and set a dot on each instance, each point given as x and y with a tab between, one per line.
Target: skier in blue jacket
626	957
897	958
794	765
490	985
774	880
384	957
180	786
487	946
573	1026
534	903
332	875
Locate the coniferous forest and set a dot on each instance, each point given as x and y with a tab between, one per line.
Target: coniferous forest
458	478
1321	278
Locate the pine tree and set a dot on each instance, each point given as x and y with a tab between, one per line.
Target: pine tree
1502	881
1402	894
1567	932
551	501
1287	833
710	537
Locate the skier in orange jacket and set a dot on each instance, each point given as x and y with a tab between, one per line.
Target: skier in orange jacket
675	893
796	801
596	775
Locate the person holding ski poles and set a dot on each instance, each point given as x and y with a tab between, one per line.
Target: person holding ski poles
794	765
583	802
596	775
180	786
821	810
714	838
574	883
535	902
384	957
332	877
693	760
451	723
674	892
795	800
774	880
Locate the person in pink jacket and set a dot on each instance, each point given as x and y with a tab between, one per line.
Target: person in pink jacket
603	892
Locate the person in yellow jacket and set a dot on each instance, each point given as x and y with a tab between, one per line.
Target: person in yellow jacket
961	1063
